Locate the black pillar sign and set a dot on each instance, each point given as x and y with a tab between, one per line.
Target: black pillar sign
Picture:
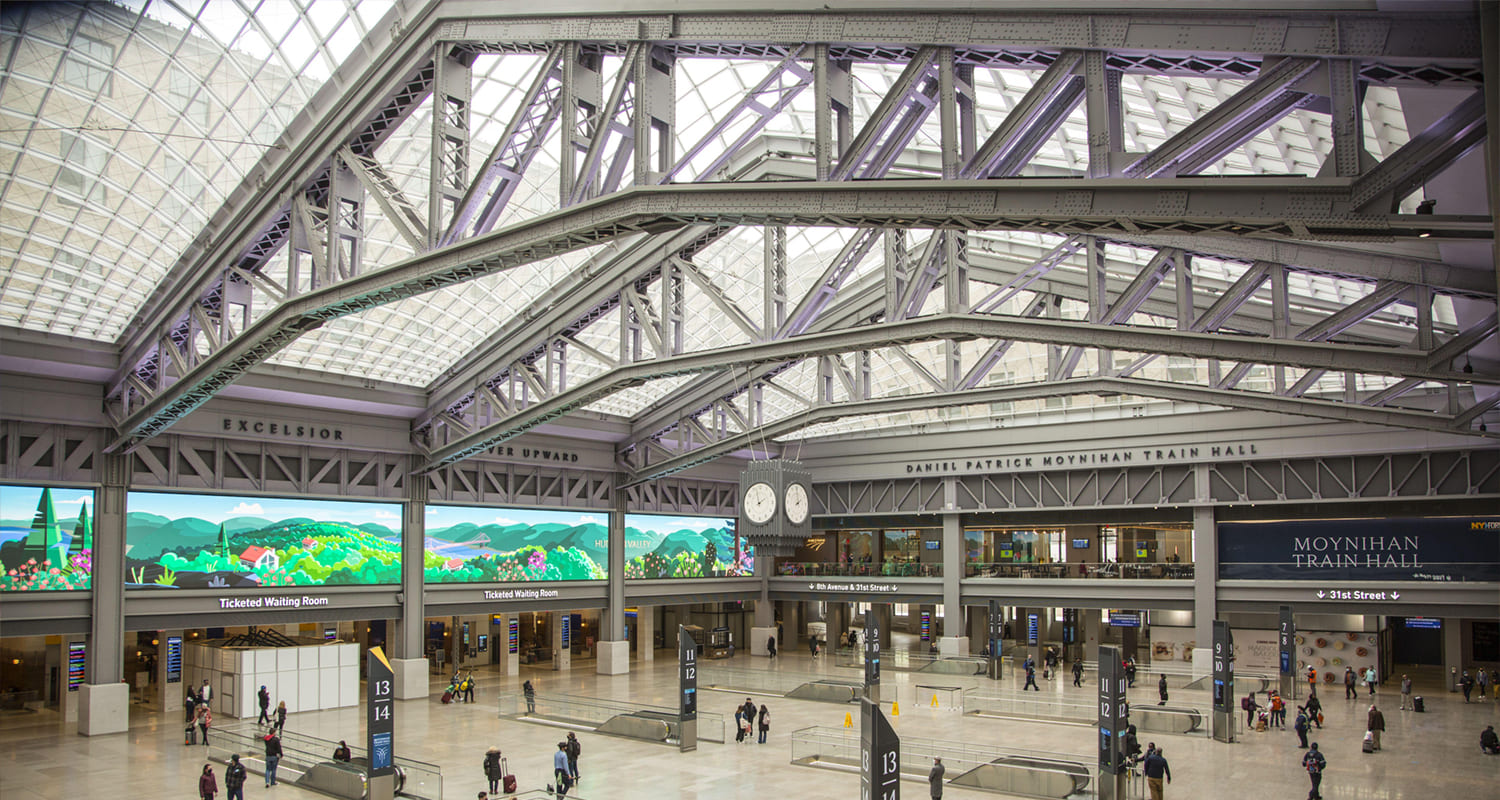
1288	635
1114	712
1223	667
997	634
382	719
872	650
879	755
687	660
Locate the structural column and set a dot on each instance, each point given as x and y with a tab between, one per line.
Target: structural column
170	694
562	652
614	646
409	664
1205	593
104	702
765	613
645	633
953	572
510	663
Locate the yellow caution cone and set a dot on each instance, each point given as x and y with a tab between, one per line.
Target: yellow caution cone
848	720
934	701
895	709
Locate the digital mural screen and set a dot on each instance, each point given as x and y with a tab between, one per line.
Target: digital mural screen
46	538
204	541
473	544
660	546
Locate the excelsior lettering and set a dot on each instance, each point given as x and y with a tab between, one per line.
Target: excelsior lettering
283	429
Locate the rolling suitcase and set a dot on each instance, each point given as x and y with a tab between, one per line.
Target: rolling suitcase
508	781
1418	705
1369	745
447	696
190	735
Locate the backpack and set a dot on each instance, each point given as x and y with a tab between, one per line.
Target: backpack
1314	762
1244	704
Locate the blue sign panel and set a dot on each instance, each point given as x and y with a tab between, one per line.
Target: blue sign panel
380	752
1125	619
1432	549
1031	629
174	659
1423	622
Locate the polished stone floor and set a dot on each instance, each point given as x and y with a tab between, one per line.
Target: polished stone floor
1431	756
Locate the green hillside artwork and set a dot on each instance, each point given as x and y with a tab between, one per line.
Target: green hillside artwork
242	552
521	552
707	552
55	554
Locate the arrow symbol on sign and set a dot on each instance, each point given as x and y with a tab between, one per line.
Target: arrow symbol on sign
810	586
1320	594
1395	595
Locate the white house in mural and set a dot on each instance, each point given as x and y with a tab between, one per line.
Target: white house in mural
259	558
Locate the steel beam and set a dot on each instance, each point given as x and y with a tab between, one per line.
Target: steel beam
956	327
1031	121
762	104
1230	124
1249	206
1425	155
893	123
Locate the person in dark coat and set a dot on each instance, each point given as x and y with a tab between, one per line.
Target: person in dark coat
530	692
575	749
265	706
190	705
1078	673
341	753
492	769
208	785
1467	683
935	778
771	646
764	723
1300	726
280	716
1314	763
1315	710
1161	690
1156	769
1489	742
234	779
1031	679
273	757
1375	724
1130	743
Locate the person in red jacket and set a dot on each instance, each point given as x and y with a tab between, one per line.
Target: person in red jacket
208	785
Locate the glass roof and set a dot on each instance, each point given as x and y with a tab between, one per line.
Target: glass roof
126	125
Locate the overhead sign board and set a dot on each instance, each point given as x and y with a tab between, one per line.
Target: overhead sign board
1425	549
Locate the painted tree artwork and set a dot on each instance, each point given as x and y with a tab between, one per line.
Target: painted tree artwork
41	550
476	544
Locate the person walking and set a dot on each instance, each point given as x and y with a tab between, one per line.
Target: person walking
492	770
1405	691
530	692
206	692
1370	680
1161	690
205	721
265	706
1375	725
935	778
208	785
1314	763
1130	672
1250	706
575	748
234	778
1483	679
1078	673
1156	769
560	772
764	723
1315	710
469	687
273	757
1300	726
1030	677
771	646
280	717
1350	693
1467	682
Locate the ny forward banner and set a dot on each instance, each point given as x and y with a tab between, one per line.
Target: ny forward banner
1431	549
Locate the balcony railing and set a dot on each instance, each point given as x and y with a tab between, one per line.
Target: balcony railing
820	569
1132	571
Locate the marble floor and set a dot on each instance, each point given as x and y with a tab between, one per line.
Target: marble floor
1431	756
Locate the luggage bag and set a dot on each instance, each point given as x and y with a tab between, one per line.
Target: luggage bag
190	734
1369	745
508	781
1418	705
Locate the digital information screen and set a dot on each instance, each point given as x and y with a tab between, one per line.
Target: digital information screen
174	659
1031	629
1125	619
514	634
926	626
77	652
1423	622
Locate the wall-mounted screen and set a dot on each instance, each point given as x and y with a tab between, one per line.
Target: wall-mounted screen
174	659
473	544
660	546
77	661
204	541
1080	544
46	538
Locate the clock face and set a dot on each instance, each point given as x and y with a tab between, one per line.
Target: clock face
760	503
796	503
